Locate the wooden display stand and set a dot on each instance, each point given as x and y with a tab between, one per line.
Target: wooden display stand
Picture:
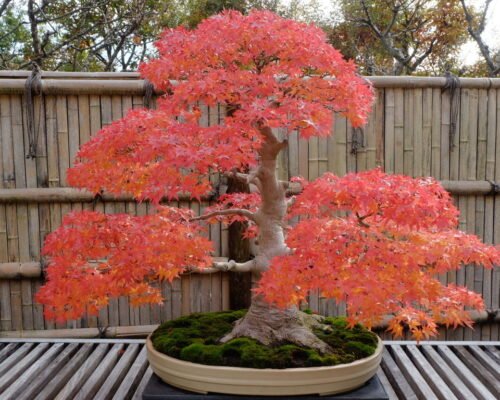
156	389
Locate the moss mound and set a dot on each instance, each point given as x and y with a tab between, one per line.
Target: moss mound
195	338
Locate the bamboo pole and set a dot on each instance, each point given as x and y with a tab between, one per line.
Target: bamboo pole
411	82
471	187
63	194
399	130
71	195
377	81
20	270
110	332
119	83
77	86
33	269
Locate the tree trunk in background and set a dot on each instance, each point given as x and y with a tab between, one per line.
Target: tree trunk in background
239	250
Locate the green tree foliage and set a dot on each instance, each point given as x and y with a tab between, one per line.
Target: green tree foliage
88	35
401	36
110	35
13	36
381	36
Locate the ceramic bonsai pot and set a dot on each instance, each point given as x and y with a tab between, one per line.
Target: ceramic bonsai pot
202	378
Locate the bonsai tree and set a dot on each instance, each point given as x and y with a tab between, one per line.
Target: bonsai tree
373	240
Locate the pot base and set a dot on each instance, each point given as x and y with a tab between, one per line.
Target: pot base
202	378
156	389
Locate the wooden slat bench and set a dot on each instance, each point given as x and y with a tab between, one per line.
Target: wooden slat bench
117	369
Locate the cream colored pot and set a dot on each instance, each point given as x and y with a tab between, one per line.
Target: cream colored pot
269	382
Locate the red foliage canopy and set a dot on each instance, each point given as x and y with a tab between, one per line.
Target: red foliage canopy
94	256
260	67
374	240
382	257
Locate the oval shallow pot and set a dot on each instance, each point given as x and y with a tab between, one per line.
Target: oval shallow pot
202	378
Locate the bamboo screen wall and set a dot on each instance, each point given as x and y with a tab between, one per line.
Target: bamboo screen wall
408	132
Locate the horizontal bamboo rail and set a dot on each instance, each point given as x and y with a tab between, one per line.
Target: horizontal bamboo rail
17	270
489	316
33	269
77	86
471	187
72	195
64	194
110	332
130	84
411	82
378	81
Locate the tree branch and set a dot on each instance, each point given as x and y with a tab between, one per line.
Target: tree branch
35	39
482	24
249	179
272	146
290	187
86	8
34	30
133	26
395	12
232	211
7	34
369	21
291	201
394	52
232	265
225	266
476	35
4	5
420	59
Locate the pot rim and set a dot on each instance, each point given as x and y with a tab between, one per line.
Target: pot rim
339	367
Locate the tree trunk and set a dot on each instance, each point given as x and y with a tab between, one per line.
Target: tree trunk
239	251
263	321
273	326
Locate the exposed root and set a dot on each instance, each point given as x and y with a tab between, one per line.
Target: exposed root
272	326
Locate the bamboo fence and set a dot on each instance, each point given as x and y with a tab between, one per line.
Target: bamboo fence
408	132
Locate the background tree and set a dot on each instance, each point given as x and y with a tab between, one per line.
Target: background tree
268	72
116	35
401	36
13	36
385	37
476	24
93	34
192	12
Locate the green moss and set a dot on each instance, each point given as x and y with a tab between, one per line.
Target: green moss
206	354
195	338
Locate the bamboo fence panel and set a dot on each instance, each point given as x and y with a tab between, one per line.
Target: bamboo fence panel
407	132
495	279
66	122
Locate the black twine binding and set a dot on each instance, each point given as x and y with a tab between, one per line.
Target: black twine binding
495	187
356	140
33	87
101	331
148	93
452	84
43	268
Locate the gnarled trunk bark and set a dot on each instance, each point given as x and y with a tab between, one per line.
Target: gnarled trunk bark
273	326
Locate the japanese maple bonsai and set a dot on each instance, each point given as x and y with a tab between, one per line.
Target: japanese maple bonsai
373	240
